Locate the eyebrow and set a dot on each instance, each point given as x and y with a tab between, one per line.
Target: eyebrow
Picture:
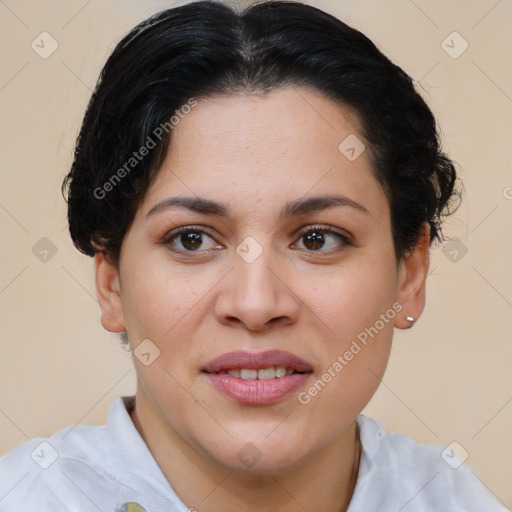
290	209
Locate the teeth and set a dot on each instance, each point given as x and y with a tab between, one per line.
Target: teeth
267	373
248	374
263	374
281	371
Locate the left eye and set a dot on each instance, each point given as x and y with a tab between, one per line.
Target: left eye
322	240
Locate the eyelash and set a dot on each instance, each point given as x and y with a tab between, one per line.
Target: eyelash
324	230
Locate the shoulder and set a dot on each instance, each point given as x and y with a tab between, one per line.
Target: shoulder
86	468
419	477
40	467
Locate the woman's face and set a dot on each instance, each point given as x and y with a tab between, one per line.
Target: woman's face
282	261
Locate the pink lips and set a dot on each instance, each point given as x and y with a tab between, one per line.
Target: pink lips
257	392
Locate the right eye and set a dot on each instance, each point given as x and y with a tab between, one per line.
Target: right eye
189	240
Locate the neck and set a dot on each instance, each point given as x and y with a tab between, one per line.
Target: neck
324	483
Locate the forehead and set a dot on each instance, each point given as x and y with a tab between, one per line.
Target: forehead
254	150
289	120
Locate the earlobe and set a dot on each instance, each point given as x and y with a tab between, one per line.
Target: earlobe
412	277
108	291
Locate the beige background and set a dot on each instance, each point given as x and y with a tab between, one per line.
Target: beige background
449	378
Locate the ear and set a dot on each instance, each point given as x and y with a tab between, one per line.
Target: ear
412	275
108	290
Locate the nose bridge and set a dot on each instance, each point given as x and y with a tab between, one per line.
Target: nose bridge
254	279
255	294
257	275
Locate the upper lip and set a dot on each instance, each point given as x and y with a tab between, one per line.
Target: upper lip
257	361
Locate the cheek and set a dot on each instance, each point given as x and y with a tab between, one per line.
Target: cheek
161	300
354	363
356	303
151	306
352	298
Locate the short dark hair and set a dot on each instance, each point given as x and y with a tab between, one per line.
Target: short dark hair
207	48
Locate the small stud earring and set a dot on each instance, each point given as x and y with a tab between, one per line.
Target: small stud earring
410	319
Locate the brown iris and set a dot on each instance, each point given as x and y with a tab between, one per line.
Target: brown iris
191	240
315	240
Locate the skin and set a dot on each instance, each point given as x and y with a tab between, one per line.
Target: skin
255	153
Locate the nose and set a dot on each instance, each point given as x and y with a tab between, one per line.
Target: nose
256	296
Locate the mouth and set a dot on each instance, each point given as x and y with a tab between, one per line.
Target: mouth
262	374
257	378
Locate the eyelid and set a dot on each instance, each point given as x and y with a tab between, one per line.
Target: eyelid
325	228
189	227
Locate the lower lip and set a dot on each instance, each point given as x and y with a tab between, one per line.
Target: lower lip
257	392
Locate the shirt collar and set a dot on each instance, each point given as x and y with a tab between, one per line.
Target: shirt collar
129	452
372	436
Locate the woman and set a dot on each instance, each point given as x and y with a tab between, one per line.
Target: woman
259	190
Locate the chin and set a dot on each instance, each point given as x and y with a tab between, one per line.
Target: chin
260	453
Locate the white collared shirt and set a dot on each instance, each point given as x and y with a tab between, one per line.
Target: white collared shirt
103	468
